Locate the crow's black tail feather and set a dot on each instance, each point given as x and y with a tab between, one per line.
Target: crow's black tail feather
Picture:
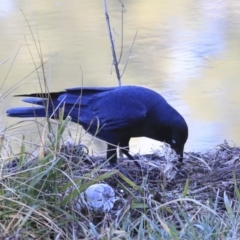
25	112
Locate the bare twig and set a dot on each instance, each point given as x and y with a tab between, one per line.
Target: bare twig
120	57
115	62
129	53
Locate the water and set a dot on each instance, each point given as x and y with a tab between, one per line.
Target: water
189	52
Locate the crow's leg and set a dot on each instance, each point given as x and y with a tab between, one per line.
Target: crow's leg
125	150
112	156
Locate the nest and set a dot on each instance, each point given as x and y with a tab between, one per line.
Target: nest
207	175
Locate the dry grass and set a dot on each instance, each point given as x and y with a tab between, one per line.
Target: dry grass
39	194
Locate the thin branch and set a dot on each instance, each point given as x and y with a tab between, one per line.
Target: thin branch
114	41
121	51
115	62
129	53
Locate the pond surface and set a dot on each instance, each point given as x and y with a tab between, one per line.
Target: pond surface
188	51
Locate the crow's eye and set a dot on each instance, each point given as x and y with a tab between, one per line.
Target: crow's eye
173	141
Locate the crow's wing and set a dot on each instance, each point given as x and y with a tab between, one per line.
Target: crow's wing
115	110
74	101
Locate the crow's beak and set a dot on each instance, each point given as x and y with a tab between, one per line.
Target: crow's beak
179	152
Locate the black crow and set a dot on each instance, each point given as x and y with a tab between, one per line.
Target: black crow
113	114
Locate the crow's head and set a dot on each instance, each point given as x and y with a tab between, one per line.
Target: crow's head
177	135
179	138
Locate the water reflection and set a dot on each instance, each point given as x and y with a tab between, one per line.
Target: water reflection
189	52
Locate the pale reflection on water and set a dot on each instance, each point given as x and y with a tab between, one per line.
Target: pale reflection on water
189	52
